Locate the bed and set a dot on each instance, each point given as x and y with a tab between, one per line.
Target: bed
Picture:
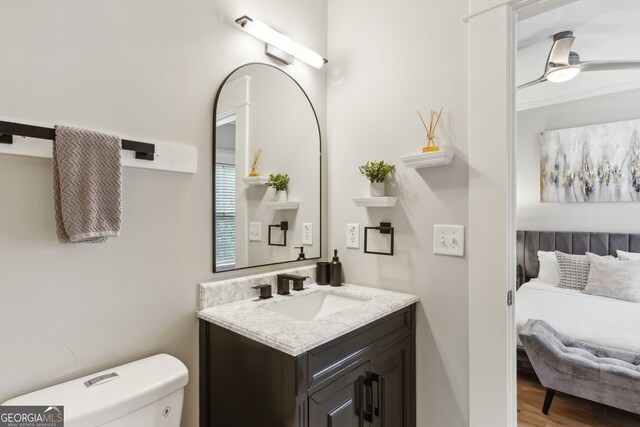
597	320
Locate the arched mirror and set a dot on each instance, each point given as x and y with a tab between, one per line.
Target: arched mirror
266	180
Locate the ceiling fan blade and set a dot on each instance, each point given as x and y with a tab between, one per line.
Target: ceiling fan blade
533	82
609	65
559	53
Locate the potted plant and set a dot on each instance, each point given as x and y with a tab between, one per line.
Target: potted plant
377	172
280	182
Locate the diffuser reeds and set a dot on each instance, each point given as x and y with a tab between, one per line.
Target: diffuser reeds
256	159
434	118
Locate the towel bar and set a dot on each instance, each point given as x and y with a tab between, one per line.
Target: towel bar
144	151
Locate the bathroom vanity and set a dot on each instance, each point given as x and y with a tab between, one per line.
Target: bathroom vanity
319	357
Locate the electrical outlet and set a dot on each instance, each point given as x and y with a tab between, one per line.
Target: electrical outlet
307	233
448	240
353	236
255	231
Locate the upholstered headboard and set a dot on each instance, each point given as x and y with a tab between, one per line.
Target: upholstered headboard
530	242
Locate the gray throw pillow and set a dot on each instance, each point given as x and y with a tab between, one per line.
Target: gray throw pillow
574	270
613	279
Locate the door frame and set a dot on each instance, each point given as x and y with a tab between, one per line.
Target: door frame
492	203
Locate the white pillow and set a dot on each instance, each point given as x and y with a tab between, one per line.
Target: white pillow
549	269
613	279
628	256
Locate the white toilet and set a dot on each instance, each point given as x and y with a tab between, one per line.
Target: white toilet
144	393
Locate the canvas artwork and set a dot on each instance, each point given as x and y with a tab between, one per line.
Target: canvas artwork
598	163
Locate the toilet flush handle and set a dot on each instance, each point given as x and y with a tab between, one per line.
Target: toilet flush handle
101	379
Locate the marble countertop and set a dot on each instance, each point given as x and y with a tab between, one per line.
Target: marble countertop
249	317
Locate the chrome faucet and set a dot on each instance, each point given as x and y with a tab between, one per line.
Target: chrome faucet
283	280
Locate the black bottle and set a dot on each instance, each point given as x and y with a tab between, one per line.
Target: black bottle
336	270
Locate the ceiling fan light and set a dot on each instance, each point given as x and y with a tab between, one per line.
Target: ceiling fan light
562	74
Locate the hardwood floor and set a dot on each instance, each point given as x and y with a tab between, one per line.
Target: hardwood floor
566	411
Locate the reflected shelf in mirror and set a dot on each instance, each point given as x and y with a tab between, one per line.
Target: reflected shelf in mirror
256	180
289	205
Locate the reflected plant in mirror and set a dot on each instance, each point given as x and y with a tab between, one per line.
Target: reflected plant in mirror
263	119
280	182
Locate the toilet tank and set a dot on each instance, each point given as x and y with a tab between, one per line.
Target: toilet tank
144	393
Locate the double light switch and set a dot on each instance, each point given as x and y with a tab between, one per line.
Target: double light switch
448	240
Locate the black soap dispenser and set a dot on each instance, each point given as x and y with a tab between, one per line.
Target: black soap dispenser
336	270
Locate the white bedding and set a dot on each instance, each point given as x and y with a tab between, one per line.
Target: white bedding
598	320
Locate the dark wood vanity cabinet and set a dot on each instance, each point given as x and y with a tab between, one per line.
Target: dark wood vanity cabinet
365	378
338	404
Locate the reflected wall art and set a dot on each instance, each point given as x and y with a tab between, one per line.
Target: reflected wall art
597	163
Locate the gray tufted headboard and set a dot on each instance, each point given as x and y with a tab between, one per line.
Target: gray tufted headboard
530	242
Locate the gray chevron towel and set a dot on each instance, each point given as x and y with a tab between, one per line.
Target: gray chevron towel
87	183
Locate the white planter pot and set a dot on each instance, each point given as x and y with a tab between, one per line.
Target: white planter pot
281	196
376	189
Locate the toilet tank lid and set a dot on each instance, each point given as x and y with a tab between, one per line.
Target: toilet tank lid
134	386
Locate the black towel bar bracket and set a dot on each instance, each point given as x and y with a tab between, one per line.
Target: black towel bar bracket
144	151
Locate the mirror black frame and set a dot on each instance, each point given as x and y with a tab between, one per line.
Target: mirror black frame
213	175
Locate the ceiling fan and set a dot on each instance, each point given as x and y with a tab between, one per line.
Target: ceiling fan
563	64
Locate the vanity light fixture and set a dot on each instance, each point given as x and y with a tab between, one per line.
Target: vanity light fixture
279	46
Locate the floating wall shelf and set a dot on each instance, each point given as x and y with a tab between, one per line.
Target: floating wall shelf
375	202
255	180
283	205
428	160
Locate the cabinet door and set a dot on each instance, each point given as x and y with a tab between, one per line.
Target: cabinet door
391	386
340	404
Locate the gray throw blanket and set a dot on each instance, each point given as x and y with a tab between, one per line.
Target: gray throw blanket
87	183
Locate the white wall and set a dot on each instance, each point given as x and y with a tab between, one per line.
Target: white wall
146	70
393	58
492	376
533	215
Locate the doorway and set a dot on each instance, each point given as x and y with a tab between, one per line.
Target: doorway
492	204
575	127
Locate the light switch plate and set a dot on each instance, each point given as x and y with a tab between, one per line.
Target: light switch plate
448	240
307	233
353	236
255	231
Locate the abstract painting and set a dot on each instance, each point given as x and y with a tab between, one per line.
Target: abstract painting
598	163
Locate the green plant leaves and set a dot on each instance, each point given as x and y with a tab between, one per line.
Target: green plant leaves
279	181
377	171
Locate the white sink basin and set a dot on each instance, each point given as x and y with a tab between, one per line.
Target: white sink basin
314	305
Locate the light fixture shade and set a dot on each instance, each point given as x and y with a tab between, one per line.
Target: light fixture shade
274	38
563	74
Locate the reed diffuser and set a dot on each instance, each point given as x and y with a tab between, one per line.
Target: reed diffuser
256	159
434	119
